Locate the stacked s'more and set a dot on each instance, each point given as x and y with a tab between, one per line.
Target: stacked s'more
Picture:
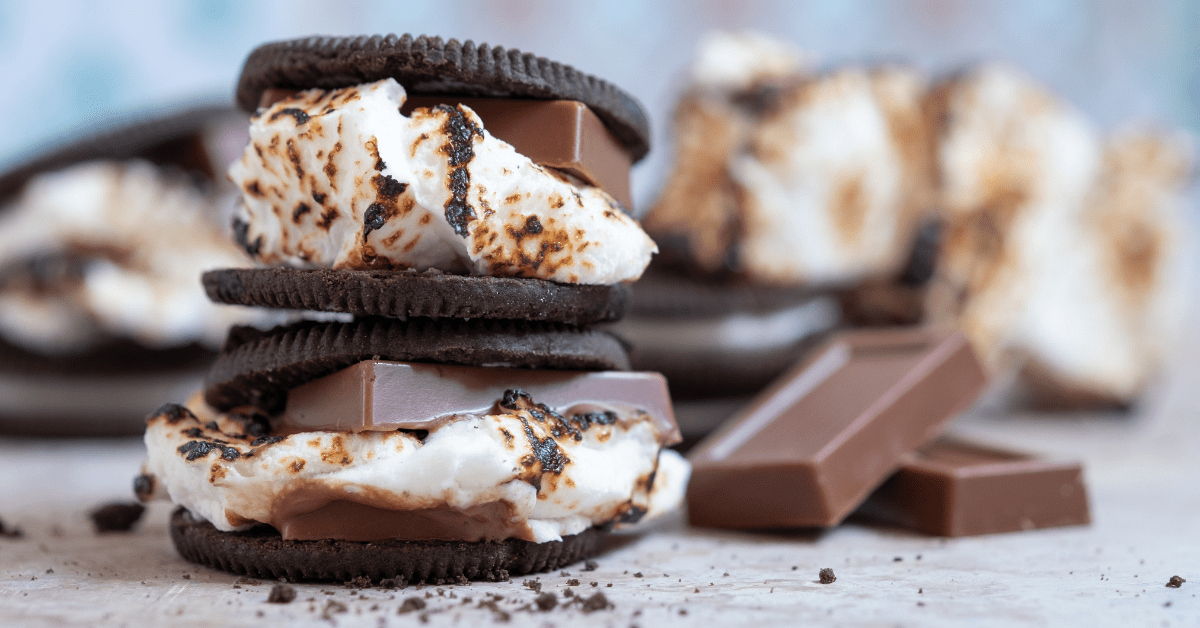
464	208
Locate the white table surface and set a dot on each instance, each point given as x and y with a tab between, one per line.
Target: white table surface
1142	471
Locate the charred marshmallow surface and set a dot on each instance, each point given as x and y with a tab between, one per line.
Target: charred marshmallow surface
342	179
556	475
136	240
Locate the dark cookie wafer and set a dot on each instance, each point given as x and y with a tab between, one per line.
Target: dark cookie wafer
429	65
169	138
663	293
262	553
259	369
428	294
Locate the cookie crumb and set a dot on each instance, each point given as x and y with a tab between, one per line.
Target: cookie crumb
1175	582
597	602
547	602
590	565
331	607
897	559
116	516
573	582
639	575
282	594
826	576
392	583
245	580
411	604
358	582
533	585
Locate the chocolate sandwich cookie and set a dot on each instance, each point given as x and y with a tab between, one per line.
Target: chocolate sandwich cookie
259	370
467	423
261	553
430	65
429	294
85	220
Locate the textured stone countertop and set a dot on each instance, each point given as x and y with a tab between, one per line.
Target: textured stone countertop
1141	471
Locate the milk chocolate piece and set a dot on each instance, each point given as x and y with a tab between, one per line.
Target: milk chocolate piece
561	134
813	446
956	488
377	395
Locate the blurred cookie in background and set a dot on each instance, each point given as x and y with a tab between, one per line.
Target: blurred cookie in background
1062	256
103	237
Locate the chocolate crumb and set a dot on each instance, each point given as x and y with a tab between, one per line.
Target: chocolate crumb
187	576
826	576
574	582
13	533
725	575
116	517
1175	582
696	590
897	559
597	602
547	602
534	585
794	567
595	584
331	607
568	592
392	583
1167	604
281	594
411	604
143	486
590	565
683	611
360	582
639	575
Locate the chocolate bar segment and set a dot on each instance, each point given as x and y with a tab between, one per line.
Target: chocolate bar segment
956	488
561	134
813	446
377	395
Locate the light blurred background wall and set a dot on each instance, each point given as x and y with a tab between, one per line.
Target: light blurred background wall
68	64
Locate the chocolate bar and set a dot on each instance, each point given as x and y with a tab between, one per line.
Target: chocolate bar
814	445
956	488
378	395
561	134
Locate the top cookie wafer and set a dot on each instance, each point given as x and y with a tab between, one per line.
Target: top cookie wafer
429	65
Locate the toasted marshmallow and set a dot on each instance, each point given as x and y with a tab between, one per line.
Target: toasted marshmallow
796	180
341	179
1061	256
551	485
732	61
141	239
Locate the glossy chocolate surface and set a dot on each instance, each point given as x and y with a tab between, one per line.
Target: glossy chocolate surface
381	395
561	134
811	448
956	488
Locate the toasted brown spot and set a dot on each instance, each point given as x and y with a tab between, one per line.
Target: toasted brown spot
512	198
327	218
216	472
254	189
331	167
297	466
850	208
293	156
336	454
556	201
300	210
